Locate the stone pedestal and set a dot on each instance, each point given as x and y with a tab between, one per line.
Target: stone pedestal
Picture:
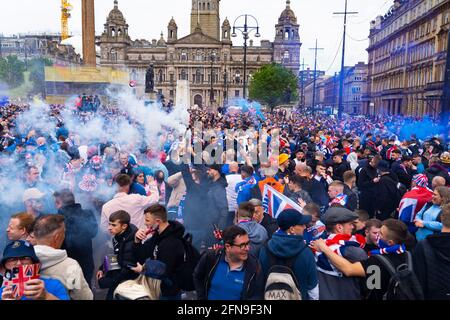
183	96
150	98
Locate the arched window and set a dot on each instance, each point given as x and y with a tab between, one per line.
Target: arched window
160	76
286	34
209	6
286	55
119	32
113	32
183	56
171	34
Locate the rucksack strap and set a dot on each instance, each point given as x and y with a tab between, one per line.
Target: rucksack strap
409	261
386	263
390	266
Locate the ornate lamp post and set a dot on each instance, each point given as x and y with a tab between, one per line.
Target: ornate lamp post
246	30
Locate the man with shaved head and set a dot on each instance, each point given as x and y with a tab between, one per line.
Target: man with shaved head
437	181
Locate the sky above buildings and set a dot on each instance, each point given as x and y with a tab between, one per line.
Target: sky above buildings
147	18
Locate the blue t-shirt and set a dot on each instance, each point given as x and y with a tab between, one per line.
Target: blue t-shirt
53	286
226	284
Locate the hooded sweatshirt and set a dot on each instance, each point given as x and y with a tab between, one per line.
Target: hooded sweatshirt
287	246
57	265
257	235
431	259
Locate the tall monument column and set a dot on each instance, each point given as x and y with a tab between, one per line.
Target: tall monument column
88	25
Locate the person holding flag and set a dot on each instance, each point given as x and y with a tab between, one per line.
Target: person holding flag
413	201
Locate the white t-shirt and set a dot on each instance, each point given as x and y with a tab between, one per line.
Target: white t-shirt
233	180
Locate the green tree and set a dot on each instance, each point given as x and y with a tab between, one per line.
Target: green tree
11	71
37	73
273	85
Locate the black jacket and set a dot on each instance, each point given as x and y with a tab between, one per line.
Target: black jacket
123	248
270	224
404	177
253	279
437	170
433	268
218	203
166	247
318	190
365	179
339	169
352	199
81	228
196	205
387	197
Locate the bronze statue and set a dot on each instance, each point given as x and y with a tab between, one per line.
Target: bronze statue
149	80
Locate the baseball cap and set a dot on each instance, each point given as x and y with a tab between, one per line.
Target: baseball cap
32	193
291	217
18	249
155	269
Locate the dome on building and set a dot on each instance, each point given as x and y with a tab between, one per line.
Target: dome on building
226	23
116	14
288	14
161	42
172	23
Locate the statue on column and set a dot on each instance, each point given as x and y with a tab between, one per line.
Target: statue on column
149	80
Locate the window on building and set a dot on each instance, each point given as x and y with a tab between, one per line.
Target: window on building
183	75
198	76
171	77
171	93
183	56
160	76
113	55
237	77
236	93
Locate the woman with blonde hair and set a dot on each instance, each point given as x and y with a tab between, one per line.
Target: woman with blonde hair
428	219
145	287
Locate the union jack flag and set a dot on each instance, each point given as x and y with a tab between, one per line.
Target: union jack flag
340	199
274	202
20	276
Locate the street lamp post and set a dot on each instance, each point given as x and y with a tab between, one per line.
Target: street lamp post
211	93
245	30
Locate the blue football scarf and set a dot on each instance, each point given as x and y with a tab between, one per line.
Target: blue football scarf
387	249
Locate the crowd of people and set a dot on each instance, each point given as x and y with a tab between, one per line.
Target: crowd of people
110	217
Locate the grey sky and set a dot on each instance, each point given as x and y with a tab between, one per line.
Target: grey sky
147	18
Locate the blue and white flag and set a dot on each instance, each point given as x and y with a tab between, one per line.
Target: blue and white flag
274	202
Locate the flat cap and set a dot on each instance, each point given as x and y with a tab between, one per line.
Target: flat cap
338	215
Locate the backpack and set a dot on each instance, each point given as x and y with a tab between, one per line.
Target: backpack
281	283
403	284
184	274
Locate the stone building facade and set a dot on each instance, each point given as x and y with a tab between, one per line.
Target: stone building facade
206	57
407	56
29	46
355	88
